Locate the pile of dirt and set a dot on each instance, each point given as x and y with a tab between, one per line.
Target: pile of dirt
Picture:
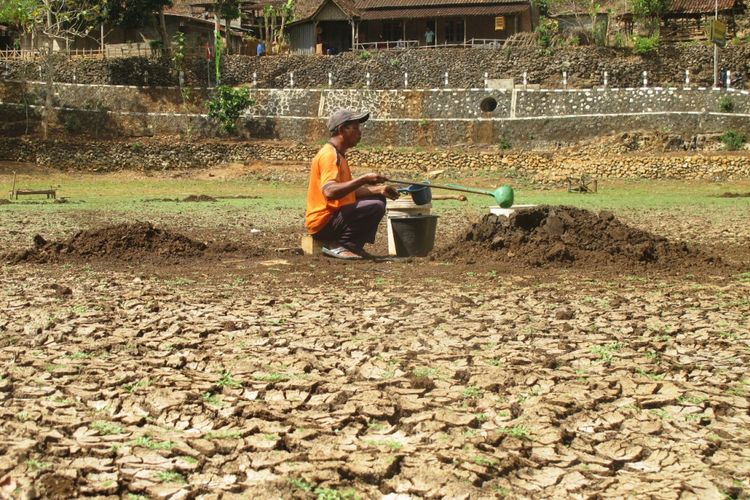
734	195
566	236
199	197
138	241
3	201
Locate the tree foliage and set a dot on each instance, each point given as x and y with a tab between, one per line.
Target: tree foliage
649	9
19	13
227	104
133	14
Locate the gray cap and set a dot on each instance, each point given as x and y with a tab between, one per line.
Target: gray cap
341	116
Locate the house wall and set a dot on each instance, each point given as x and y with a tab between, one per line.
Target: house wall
302	38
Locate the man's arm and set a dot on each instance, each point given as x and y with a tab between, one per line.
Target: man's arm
335	190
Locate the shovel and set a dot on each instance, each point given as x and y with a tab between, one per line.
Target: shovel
503	195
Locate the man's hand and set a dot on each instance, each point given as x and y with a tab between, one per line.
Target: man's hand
371	178
389	192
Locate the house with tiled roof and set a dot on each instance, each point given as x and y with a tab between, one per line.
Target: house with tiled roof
332	26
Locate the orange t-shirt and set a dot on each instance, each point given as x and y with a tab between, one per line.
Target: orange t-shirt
327	166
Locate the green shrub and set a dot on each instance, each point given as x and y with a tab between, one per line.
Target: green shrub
226	105
643	45
546	30
504	143
726	104
365	55
70	122
136	147
733	140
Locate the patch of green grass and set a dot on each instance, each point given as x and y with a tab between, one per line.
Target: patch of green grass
472	392
52	368
170	477
606	352
693	400
80	355
222	435
494	362
376	426
35	465
188	459
664	414
649	375
481	417
211	399
226	380
300	484
517	431
106	428
131	388
502	491
133	496
271	377
389	443
424	372
22	416
744	277
146	442
333	494
480	460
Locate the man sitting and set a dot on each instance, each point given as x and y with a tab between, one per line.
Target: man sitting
341	211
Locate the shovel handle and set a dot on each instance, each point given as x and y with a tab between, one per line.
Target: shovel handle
451	187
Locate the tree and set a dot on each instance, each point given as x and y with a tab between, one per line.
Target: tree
650	12
63	20
133	14
287	14
227	10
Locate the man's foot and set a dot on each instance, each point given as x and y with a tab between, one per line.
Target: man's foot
341	253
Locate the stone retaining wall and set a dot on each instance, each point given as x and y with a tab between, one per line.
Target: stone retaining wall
548	168
440	117
585	67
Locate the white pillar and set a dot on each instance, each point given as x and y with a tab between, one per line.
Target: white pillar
255	79
368	79
729	79
486	77
446	78
330	79
524	80
406	80
291	79
565	79
605	79
645	79
687	77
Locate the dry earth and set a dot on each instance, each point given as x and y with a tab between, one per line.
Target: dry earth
264	374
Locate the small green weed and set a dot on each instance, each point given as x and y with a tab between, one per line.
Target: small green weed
693	400
480	460
726	104
35	465
518	431
300	484
389	443
170	477
131	388
188	459
222	435
661	413
226	380
211	399
271	377
472	392
733	140
376	426
106	428
332	494
147	442
606	352
649	375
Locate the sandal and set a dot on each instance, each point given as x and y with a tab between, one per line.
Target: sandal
341	253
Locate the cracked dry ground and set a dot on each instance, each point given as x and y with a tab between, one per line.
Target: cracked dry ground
304	377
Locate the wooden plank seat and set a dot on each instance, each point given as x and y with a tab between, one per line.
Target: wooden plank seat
51	193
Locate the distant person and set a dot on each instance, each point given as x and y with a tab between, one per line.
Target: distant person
723	77
260	49
343	212
429	36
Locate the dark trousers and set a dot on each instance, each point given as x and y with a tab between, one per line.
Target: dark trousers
356	224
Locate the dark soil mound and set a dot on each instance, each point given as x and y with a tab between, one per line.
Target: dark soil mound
199	197
3	201
129	242
734	195
568	236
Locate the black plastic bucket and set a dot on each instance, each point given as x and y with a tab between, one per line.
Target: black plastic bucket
414	236
420	195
